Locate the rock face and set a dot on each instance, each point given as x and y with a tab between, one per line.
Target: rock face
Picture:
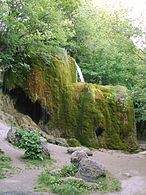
90	170
74	109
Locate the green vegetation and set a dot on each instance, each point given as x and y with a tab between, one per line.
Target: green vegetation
30	141
5	166
102	45
76	109
73	142
58	184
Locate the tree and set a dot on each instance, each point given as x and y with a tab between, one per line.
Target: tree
103	46
30	28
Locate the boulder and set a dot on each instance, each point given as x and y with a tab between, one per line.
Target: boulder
90	170
73	149
77	156
11	136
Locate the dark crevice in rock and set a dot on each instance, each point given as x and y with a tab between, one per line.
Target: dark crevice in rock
25	106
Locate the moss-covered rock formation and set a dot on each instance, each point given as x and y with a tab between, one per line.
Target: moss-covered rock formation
76	109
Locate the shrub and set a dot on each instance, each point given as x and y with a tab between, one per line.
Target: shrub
30	141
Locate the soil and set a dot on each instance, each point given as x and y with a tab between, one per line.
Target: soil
130	169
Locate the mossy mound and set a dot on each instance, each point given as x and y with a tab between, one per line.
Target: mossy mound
72	142
76	109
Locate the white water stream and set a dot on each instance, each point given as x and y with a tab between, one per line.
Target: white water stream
79	74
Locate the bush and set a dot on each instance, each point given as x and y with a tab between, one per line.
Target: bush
30	141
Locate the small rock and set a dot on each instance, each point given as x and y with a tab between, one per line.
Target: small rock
49	138
144	152
127	175
11	136
90	170
54	172
67	179
73	149
43	139
1	152
45	150
61	141
77	156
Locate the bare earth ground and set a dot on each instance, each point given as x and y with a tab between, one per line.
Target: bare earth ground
129	169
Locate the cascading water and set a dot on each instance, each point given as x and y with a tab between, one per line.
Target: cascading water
79	74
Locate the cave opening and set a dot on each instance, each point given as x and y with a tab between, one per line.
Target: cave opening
25	106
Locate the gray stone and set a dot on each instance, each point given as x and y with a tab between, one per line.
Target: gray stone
144	153
90	170
61	141
67	179
45	150
54	172
73	149
127	175
1	152
43	139
11	136
77	156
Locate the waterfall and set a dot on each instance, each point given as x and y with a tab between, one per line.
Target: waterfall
79	74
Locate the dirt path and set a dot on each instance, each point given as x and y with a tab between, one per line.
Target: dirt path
130	169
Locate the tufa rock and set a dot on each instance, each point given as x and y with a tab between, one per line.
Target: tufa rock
87	150
77	156
90	170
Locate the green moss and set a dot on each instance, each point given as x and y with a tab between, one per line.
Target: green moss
73	142
76	109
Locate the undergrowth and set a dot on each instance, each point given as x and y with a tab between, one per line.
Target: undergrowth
5	166
58	184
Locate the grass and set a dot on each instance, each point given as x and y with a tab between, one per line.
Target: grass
57	184
5	166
